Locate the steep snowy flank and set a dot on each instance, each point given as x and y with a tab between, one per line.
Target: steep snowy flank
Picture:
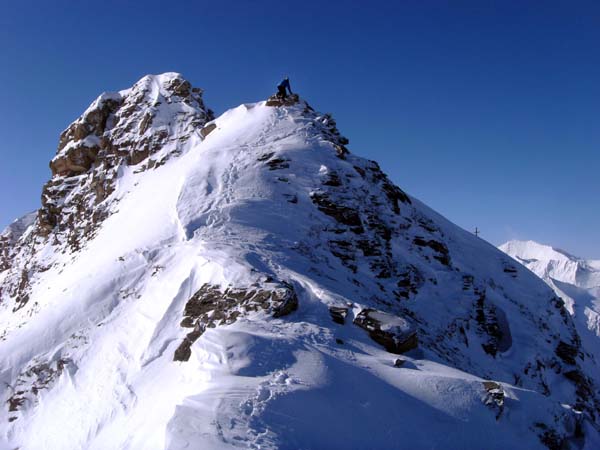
249	283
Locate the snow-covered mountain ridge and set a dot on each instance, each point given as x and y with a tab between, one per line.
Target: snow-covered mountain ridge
245	281
575	280
549	262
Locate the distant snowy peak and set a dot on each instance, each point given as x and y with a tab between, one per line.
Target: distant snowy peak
532	250
10	236
575	280
549	262
16	229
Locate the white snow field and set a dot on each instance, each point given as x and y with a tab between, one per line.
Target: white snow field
125	321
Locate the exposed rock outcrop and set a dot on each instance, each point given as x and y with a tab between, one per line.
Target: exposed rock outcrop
440	250
123	128
205	131
288	100
143	126
494	397
210	307
395	333
492	325
342	214
338	314
34	379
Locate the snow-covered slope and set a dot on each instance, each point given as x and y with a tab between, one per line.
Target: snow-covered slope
247	282
575	280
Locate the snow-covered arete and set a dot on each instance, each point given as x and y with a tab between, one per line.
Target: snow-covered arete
197	310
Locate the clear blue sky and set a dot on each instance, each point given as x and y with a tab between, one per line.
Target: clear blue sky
488	111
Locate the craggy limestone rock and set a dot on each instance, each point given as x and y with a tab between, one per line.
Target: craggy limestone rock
210	307
147	123
395	333
124	128
11	235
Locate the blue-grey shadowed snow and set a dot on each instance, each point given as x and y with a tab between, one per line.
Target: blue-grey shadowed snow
258	263
265	355
351	418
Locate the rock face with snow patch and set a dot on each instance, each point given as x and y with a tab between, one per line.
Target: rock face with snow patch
395	333
148	123
193	281
127	127
210	307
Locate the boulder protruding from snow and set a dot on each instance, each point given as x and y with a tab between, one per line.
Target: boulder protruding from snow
208	129
395	333
494	397
288	100
210	307
338	314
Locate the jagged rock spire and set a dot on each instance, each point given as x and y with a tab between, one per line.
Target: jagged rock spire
127	127
142	126
130	125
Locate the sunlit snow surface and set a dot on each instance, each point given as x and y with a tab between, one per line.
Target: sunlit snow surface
575	280
215	215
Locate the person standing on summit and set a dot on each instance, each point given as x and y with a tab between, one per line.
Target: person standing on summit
283	88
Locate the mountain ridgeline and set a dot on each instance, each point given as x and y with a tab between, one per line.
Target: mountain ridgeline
246	281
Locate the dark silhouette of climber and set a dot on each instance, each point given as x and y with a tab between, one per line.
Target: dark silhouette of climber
283	88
